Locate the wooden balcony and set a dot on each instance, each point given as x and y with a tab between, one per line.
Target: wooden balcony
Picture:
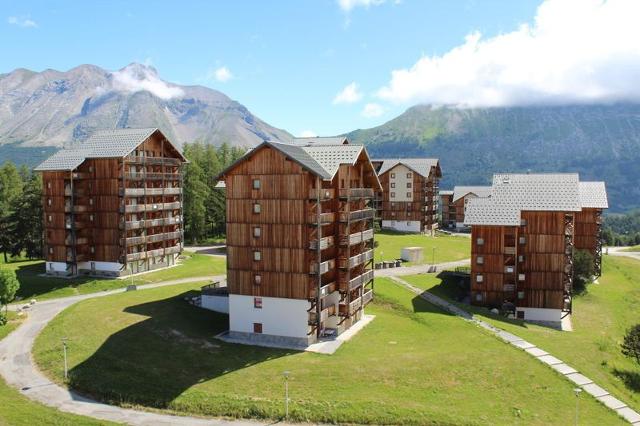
325	313
152	176
357	281
356	193
356	260
325	194
357	215
325	290
142	159
154	238
367	297
325	243
153	253
356	238
325	266
351	308
141	192
137	208
325	218
149	223
510	250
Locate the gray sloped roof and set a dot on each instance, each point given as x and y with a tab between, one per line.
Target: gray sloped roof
113	143
321	140
484	211
478	191
422	166
593	195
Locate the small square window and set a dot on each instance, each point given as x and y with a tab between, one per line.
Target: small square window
393	184
521	258
50	250
408	207
257	255
520	277
408	223
393	195
90	201
522	240
257	302
408	195
257	327
256	184
523	222
480	241
521	295
49	185
91	217
256	208
256	232
408	184
509	269
409	175
393	214
479	278
90	169
480	260
478	297
49	201
393	205
393	175
49	218
93	249
257	279
520	314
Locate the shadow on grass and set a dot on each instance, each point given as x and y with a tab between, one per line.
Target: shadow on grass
154	361
33	285
631	379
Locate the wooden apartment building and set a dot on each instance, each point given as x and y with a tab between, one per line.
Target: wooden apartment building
113	206
408	200
523	241
453	204
299	240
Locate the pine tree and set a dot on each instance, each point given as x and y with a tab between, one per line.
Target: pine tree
25	221
11	184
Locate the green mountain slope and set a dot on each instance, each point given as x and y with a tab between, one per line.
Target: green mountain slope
599	141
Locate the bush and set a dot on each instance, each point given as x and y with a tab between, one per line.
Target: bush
631	344
3	319
583	270
9	285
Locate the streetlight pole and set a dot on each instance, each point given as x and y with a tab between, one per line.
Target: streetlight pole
286	394
64	351
433	256
577	391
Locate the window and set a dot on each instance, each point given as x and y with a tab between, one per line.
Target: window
480	260
93	249
257	279
256	184
49	218
508	269
480	241
393	195
256	232
520	314
408	195
393	214
408	207
478	297
393	175
257	302
408	223
49	185
523	222
521	258
91	217
479	278
50	250
90	201
49	201
520	277
393	184
393	205
257	255
521	295
257	327
256	208
409	175
90	169
522	240
408	184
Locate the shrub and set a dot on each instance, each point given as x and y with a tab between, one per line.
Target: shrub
9	285
583	270
3	319
631	344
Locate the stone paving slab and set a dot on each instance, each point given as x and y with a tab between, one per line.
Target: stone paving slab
629	415
564	369
579	379
537	352
508	337
550	359
523	344
595	390
611	402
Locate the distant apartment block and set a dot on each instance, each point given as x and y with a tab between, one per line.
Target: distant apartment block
453	204
408	200
523	241
113	206
299	240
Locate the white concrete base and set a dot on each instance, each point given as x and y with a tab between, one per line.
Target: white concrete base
540	314
215	303
402	226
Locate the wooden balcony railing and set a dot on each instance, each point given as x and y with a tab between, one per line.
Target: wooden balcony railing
136	208
152	176
325	194
139	159
356	193
325	266
357	215
325	290
325	313
153	253
154	238
140	192
351	308
149	223
357	281
325	243
325	218
356	260
356	238
367	296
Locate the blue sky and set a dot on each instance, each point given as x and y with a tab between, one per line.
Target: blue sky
285	60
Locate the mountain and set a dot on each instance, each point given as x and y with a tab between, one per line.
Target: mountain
42	111
601	142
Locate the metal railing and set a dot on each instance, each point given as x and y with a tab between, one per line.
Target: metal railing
153	253
357	215
356	282
325	243
136	208
367	296
325	218
356	193
137	224
355	260
323	267
139	192
356	237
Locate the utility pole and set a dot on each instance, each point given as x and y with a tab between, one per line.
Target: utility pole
286	394
577	391
64	352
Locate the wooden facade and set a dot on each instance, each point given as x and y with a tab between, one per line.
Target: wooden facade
447	210
293	235
589	235
122	211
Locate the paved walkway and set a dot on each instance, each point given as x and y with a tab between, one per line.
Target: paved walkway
420	269
618	251
567	371
18	369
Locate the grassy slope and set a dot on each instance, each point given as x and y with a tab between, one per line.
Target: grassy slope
412	364
32	285
632	248
448	248
600	319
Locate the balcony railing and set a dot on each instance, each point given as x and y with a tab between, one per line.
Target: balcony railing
356	193
152	176
154	238
367	296
357	281
153	253
136	208
140	192
149	223
356	238
325	218
325	266
324	314
325	243
351	308
325	290
325	194
356	260
357	215
169	161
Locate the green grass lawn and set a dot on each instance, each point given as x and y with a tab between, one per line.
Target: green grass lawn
33	285
448	248
414	364
600	319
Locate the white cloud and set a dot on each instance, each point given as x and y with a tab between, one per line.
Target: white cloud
22	22
349	95
222	74
372	110
138	77
308	134
348	5
575	51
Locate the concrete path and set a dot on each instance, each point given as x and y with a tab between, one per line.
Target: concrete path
420	269
567	371
18	369
216	250
618	251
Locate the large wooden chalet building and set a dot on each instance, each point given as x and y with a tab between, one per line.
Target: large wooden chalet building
299	240
113	206
408	200
453	204
523	241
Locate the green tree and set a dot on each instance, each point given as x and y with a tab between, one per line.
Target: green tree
11	184
195	195
631	343
9	285
583	270
25	221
